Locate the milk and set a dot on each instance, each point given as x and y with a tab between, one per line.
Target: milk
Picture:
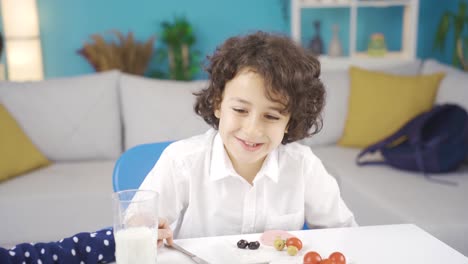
136	245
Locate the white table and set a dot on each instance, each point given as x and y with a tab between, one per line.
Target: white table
386	244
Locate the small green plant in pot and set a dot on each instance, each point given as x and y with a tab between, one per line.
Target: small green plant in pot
179	39
459	22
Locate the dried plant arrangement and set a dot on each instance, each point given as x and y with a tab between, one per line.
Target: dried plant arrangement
123	53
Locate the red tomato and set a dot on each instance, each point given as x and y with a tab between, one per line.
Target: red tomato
338	258
327	261
294	241
312	257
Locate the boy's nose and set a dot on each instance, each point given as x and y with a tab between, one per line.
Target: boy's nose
253	127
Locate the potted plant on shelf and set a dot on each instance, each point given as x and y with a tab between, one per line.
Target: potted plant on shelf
125	54
179	39
458	21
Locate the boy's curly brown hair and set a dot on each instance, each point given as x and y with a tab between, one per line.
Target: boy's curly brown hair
287	69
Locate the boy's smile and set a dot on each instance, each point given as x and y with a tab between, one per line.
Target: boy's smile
250	146
250	124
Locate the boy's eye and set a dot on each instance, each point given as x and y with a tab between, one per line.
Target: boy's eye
271	117
239	110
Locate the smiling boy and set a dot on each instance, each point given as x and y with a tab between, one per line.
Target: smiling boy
247	174
250	125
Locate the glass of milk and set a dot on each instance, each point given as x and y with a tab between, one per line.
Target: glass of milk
135	226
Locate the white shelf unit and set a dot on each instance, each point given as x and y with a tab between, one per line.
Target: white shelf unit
409	31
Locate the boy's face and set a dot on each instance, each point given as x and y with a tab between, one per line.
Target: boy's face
250	125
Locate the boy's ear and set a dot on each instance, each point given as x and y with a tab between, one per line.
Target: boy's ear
217	113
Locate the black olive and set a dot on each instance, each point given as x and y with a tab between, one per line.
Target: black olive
254	245
242	243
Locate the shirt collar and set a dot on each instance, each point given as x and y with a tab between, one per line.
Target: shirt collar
221	166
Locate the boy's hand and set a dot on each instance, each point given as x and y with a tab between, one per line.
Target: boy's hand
164	232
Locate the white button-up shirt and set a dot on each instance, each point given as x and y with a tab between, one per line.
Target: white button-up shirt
201	194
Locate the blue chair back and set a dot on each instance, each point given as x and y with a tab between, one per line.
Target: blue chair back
134	164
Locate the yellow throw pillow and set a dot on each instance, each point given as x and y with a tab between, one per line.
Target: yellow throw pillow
380	103
17	153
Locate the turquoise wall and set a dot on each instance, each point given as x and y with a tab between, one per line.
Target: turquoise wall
67	24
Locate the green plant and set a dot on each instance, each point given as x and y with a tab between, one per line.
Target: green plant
463	52
125	54
179	39
459	22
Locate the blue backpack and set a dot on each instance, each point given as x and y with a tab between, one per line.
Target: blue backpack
435	141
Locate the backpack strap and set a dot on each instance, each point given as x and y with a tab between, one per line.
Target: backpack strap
418	152
381	144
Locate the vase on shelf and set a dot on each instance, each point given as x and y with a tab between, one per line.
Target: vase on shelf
335	48
316	43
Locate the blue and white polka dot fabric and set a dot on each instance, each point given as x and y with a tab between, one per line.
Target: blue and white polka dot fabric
82	248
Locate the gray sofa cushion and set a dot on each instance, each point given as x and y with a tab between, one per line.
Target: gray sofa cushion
159	110
56	202
383	195
68	119
453	88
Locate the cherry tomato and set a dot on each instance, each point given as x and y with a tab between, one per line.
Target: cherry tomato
327	261
312	257
294	241
338	258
